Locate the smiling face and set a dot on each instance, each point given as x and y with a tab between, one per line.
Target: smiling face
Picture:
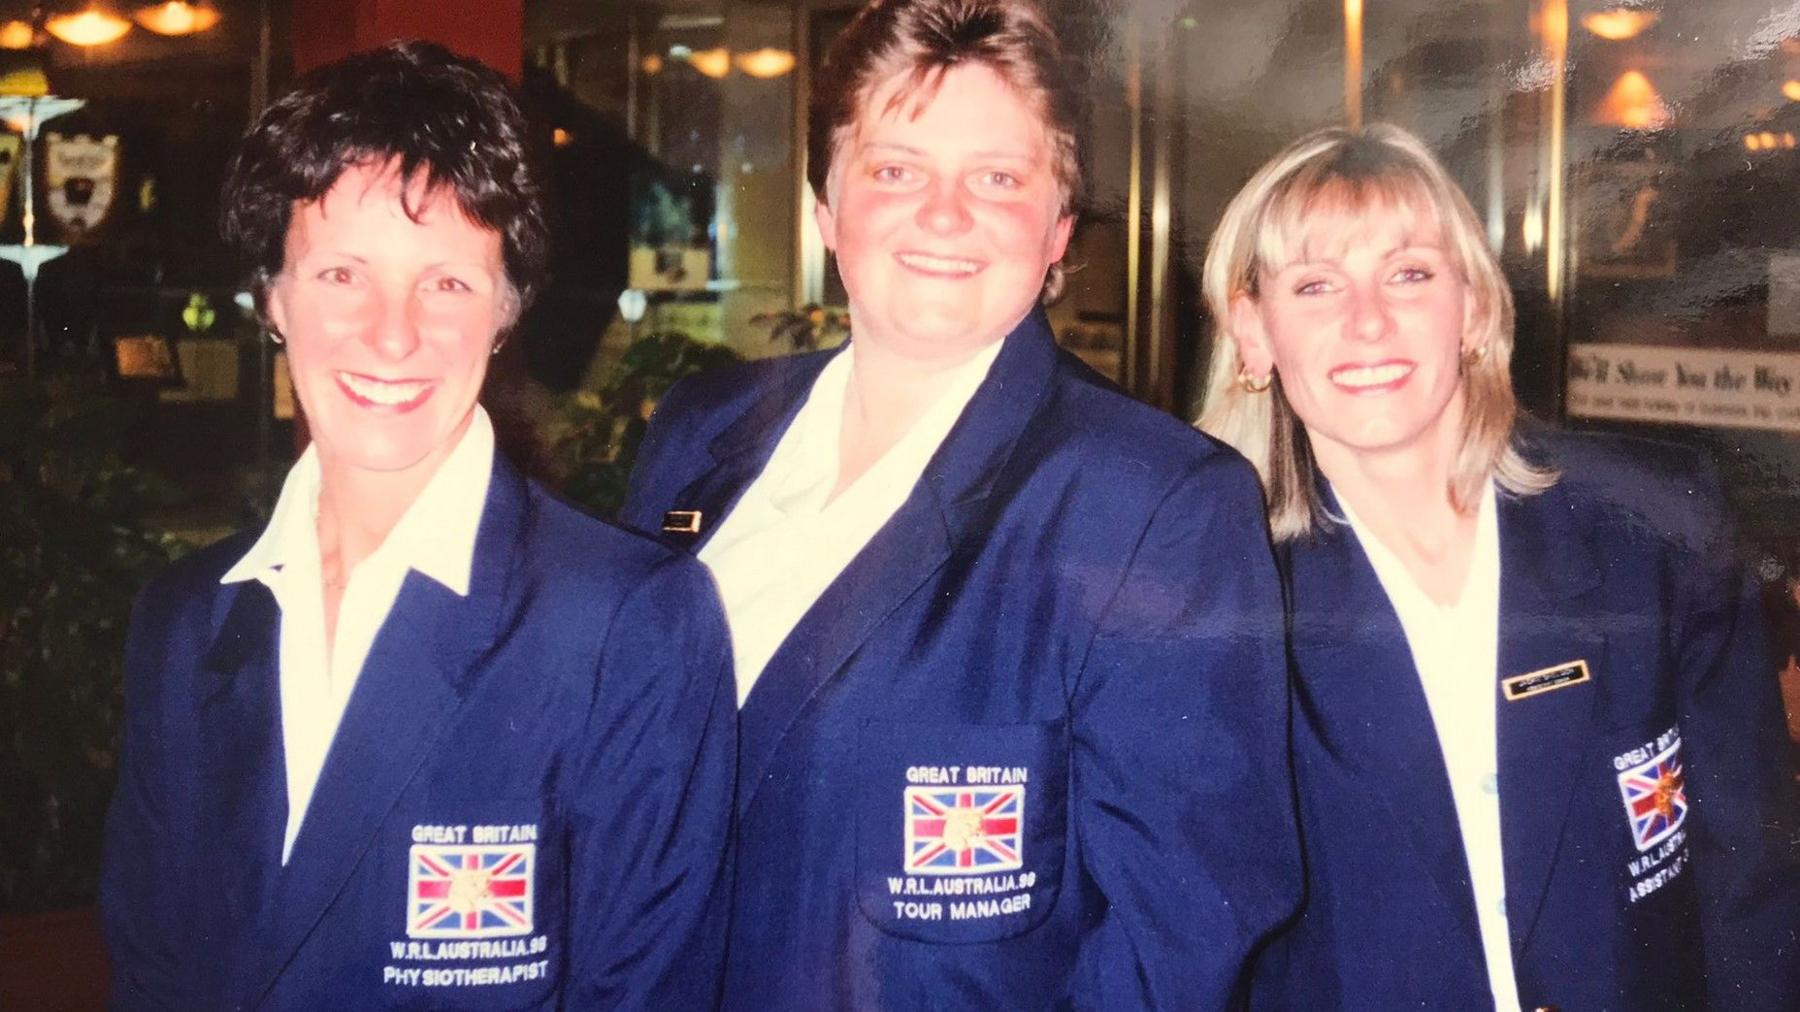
389	321
944	217
1366	329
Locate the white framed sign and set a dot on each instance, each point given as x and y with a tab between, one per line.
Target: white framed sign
1708	387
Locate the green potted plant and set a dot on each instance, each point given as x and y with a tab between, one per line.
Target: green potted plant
74	551
593	436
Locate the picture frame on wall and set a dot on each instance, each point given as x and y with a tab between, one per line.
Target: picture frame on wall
1624	219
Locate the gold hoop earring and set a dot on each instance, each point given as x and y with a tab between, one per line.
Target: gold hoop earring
275	337
1473	355
1254	384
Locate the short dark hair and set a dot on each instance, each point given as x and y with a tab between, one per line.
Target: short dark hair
414	104
924	39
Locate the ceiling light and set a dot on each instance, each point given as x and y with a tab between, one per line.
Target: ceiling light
94	25
1619	22
1633	102
177	17
714	63
16	35
766	63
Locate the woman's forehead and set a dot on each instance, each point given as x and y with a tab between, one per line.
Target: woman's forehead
911	94
1340	216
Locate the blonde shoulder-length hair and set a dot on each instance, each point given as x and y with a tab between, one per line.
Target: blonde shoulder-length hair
1337	171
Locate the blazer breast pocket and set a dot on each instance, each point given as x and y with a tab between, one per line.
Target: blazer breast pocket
480	882
960	828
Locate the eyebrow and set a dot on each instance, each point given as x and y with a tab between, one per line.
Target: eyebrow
907	149
457	265
1391	251
332	253
904	149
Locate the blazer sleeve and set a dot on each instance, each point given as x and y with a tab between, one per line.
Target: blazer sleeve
1739	773
653	795
1183	787
142	876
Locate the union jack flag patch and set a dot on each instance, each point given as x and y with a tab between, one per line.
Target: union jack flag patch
1655	799
964	831
469	892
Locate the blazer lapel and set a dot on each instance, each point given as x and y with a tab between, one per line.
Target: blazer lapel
739	454
1542	736
404	704
241	776
1360	688
893	565
944	507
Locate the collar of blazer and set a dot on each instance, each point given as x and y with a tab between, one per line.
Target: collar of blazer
964	468
947	505
1360	688
404	703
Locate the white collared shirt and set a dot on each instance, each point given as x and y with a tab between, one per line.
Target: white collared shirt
783	543
1456	650
436	536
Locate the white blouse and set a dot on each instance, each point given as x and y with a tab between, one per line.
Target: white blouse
435	536
1456	650
784	544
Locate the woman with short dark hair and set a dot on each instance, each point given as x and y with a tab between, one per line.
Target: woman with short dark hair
430	738
1008	644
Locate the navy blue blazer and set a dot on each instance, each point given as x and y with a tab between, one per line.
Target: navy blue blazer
1643	772
1028	750
526	805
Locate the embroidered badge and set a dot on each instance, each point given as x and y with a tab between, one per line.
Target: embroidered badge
964	831
1655	800
469	891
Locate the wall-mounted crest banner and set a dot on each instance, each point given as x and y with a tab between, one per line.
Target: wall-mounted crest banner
81	174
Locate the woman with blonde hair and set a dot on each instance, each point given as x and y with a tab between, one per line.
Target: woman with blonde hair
1539	753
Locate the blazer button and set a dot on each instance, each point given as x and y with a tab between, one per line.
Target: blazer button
1548	1008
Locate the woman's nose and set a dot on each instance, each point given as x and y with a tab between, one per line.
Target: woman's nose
1370	319
944	211
394	333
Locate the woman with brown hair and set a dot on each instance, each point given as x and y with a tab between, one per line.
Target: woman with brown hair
429	738
1001	746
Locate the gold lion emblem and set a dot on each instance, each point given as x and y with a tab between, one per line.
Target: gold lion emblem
1667	786
962	828
469	888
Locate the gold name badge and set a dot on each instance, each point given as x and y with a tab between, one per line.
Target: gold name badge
681	522
1558	676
